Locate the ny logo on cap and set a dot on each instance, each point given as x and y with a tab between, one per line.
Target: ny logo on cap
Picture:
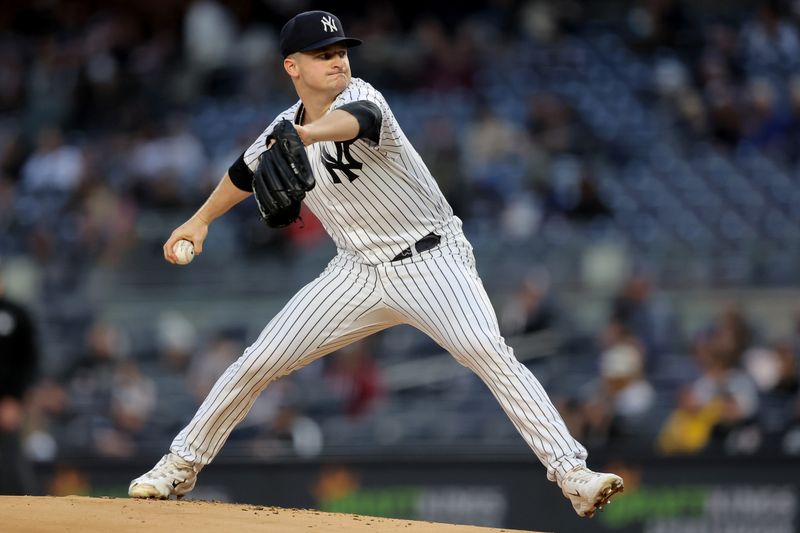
328	24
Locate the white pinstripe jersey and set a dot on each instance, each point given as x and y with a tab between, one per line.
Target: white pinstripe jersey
374	199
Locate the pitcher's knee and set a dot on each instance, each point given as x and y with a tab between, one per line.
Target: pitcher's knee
262	366
499	357
478	356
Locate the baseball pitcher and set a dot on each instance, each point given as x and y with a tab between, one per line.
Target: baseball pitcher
401	259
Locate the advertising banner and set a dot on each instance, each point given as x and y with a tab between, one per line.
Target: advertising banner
661	496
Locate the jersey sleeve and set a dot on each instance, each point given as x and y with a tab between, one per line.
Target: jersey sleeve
389	139
259	146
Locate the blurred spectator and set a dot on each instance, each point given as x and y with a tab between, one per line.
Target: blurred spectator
617	404
531	308
688	428
12	72
691	111
627	390
720	380
221	351
793	104
571	192
658	23
50	82
589	205
495	152
169	368
720	401
773	370
18	367
790	440
287	430
165	167
731	335
646	315
769	42
48	413
553	125
89	383
92	370
768	122
725	115
441	151
354	378
522	218
106	223
447	61
53	166
7	202
539	20
14	151
176	339
391	58
497	21
209	34
133	400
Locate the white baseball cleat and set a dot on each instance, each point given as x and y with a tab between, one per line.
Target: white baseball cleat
590	491
171	475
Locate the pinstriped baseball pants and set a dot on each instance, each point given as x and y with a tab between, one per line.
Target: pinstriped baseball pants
438	292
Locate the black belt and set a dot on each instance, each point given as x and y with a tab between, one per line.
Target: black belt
431	240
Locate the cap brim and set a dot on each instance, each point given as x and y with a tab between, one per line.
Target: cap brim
347	41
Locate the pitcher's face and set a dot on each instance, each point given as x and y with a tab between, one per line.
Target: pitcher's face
325	70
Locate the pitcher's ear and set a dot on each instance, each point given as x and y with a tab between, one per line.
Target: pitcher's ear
290	66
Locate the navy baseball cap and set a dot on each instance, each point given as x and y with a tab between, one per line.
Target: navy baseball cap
312	30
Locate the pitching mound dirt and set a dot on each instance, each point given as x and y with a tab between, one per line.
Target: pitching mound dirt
29	514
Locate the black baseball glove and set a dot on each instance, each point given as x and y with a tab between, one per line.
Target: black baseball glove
283	177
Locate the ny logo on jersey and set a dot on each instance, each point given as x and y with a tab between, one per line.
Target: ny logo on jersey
343	162
328	24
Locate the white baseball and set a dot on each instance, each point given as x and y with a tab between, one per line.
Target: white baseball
184	251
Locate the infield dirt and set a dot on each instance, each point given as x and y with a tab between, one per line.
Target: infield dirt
37	514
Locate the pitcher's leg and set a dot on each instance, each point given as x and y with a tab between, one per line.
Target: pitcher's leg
336	309
443	297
